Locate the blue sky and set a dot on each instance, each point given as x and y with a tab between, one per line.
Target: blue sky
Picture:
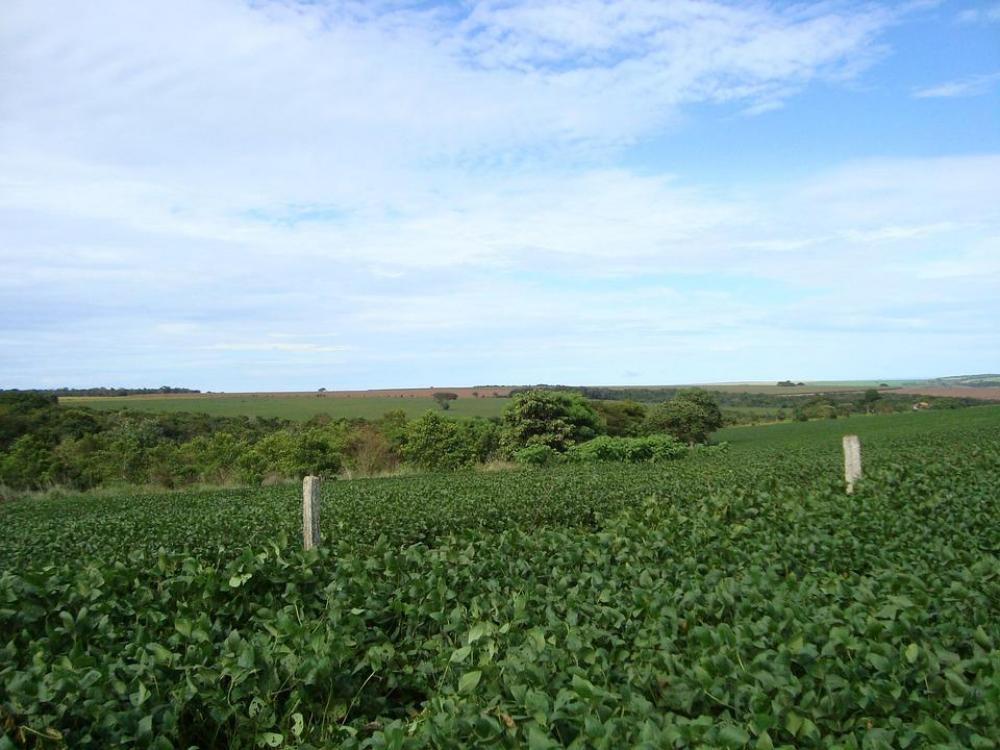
285	195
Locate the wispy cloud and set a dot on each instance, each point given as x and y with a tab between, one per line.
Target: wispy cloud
970	86
986	13
274	346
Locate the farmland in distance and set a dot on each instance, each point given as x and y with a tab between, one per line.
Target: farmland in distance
298	407
483	401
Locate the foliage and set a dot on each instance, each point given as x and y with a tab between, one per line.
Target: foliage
819	407
628	450
435	442
537	455
621	418
690	416
444	399
557	420
27	464
734	599
288	454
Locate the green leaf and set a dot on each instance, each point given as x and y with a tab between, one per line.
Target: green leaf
912	652
255	707
583	688
138	697
732	736
161	654
298	724
270	739
460	654
793	722
478	631
238	580
538	740
934	730
536	636
468	681
764	742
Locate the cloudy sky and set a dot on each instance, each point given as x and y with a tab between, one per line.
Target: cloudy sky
272	194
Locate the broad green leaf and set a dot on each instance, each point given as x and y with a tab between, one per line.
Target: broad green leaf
270	739
468	681
478	631
732	736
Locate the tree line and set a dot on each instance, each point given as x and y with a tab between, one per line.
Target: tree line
44	444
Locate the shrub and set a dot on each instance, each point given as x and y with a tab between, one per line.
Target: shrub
435	442
291	455
551	418
690	416
537	455
628	450
621	418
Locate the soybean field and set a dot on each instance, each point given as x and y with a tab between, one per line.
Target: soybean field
736	597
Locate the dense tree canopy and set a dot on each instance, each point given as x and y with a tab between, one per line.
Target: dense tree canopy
689	417
558	420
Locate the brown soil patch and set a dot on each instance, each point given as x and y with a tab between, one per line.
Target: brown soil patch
487	392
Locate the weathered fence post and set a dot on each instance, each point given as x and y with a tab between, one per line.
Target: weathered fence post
852	461
310	512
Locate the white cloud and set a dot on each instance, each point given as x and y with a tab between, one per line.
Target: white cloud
312	99
986	13
274	346
971	86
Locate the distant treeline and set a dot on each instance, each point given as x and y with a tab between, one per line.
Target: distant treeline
103	391
788	401
45	444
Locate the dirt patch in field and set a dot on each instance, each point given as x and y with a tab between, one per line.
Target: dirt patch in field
985	394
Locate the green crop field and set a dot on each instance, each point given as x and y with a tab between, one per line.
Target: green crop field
736	597
299	408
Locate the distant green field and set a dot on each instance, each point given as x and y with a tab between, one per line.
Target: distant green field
884	428
299	408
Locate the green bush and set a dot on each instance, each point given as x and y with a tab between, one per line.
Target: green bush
628	450
553	418
435	442
291	455
28	464
690	416
537	455
621	418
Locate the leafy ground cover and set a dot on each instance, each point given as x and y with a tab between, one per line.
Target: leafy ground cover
733	598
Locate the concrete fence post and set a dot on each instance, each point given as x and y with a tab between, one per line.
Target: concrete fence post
310	512
852	461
